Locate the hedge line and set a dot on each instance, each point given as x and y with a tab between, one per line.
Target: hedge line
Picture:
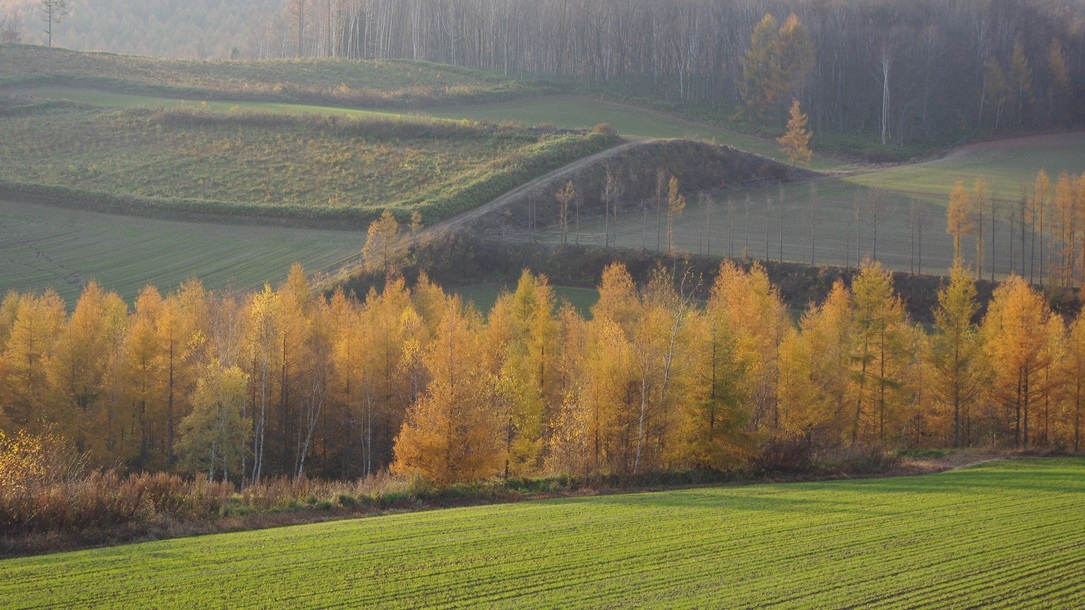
424	96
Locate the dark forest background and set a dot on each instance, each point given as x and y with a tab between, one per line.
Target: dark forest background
945	70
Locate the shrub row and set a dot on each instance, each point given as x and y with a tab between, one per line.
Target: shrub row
284	92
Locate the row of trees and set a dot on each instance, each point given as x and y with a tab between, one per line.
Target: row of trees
51	12
667	375
905	72
1046	228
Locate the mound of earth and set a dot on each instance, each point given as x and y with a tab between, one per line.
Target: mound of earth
641	170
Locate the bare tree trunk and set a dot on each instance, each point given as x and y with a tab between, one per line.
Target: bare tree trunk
813	220
886	62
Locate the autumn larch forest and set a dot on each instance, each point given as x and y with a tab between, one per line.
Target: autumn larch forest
668	375
285	382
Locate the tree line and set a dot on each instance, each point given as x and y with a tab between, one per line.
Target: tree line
665	376
1046	237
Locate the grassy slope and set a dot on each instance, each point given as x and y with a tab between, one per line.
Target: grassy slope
340	82
565	111
298	167
576	111
1002	535
1009	167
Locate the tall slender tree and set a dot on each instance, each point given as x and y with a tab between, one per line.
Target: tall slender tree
52	12
956	355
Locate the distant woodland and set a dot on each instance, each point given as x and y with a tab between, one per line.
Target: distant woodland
921	71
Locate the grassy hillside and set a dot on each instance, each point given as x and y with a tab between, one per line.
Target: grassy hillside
330	81
1001	535
192	161
581	111
1008	166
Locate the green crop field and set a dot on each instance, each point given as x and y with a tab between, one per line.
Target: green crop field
1000	535
564	111
305	168
126	101
50	247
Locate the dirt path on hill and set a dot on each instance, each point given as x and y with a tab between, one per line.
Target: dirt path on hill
501	201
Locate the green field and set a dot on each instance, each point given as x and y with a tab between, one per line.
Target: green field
1009	166
45	246
307	168
128	101
564	111
1000	535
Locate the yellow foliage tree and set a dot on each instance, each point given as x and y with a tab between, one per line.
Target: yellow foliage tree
778	58
880	356
522	343
747	307
1072	376
565	196
1017	333
826	339
958	218
676	202
452	434
214	436
384	248
956	354
795	143
37	324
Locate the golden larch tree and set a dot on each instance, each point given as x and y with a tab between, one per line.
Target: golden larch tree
452	433
676	202
827	334
1072	376
795	143
384	248
37	324
880	355
956	355
959	218
1017	332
